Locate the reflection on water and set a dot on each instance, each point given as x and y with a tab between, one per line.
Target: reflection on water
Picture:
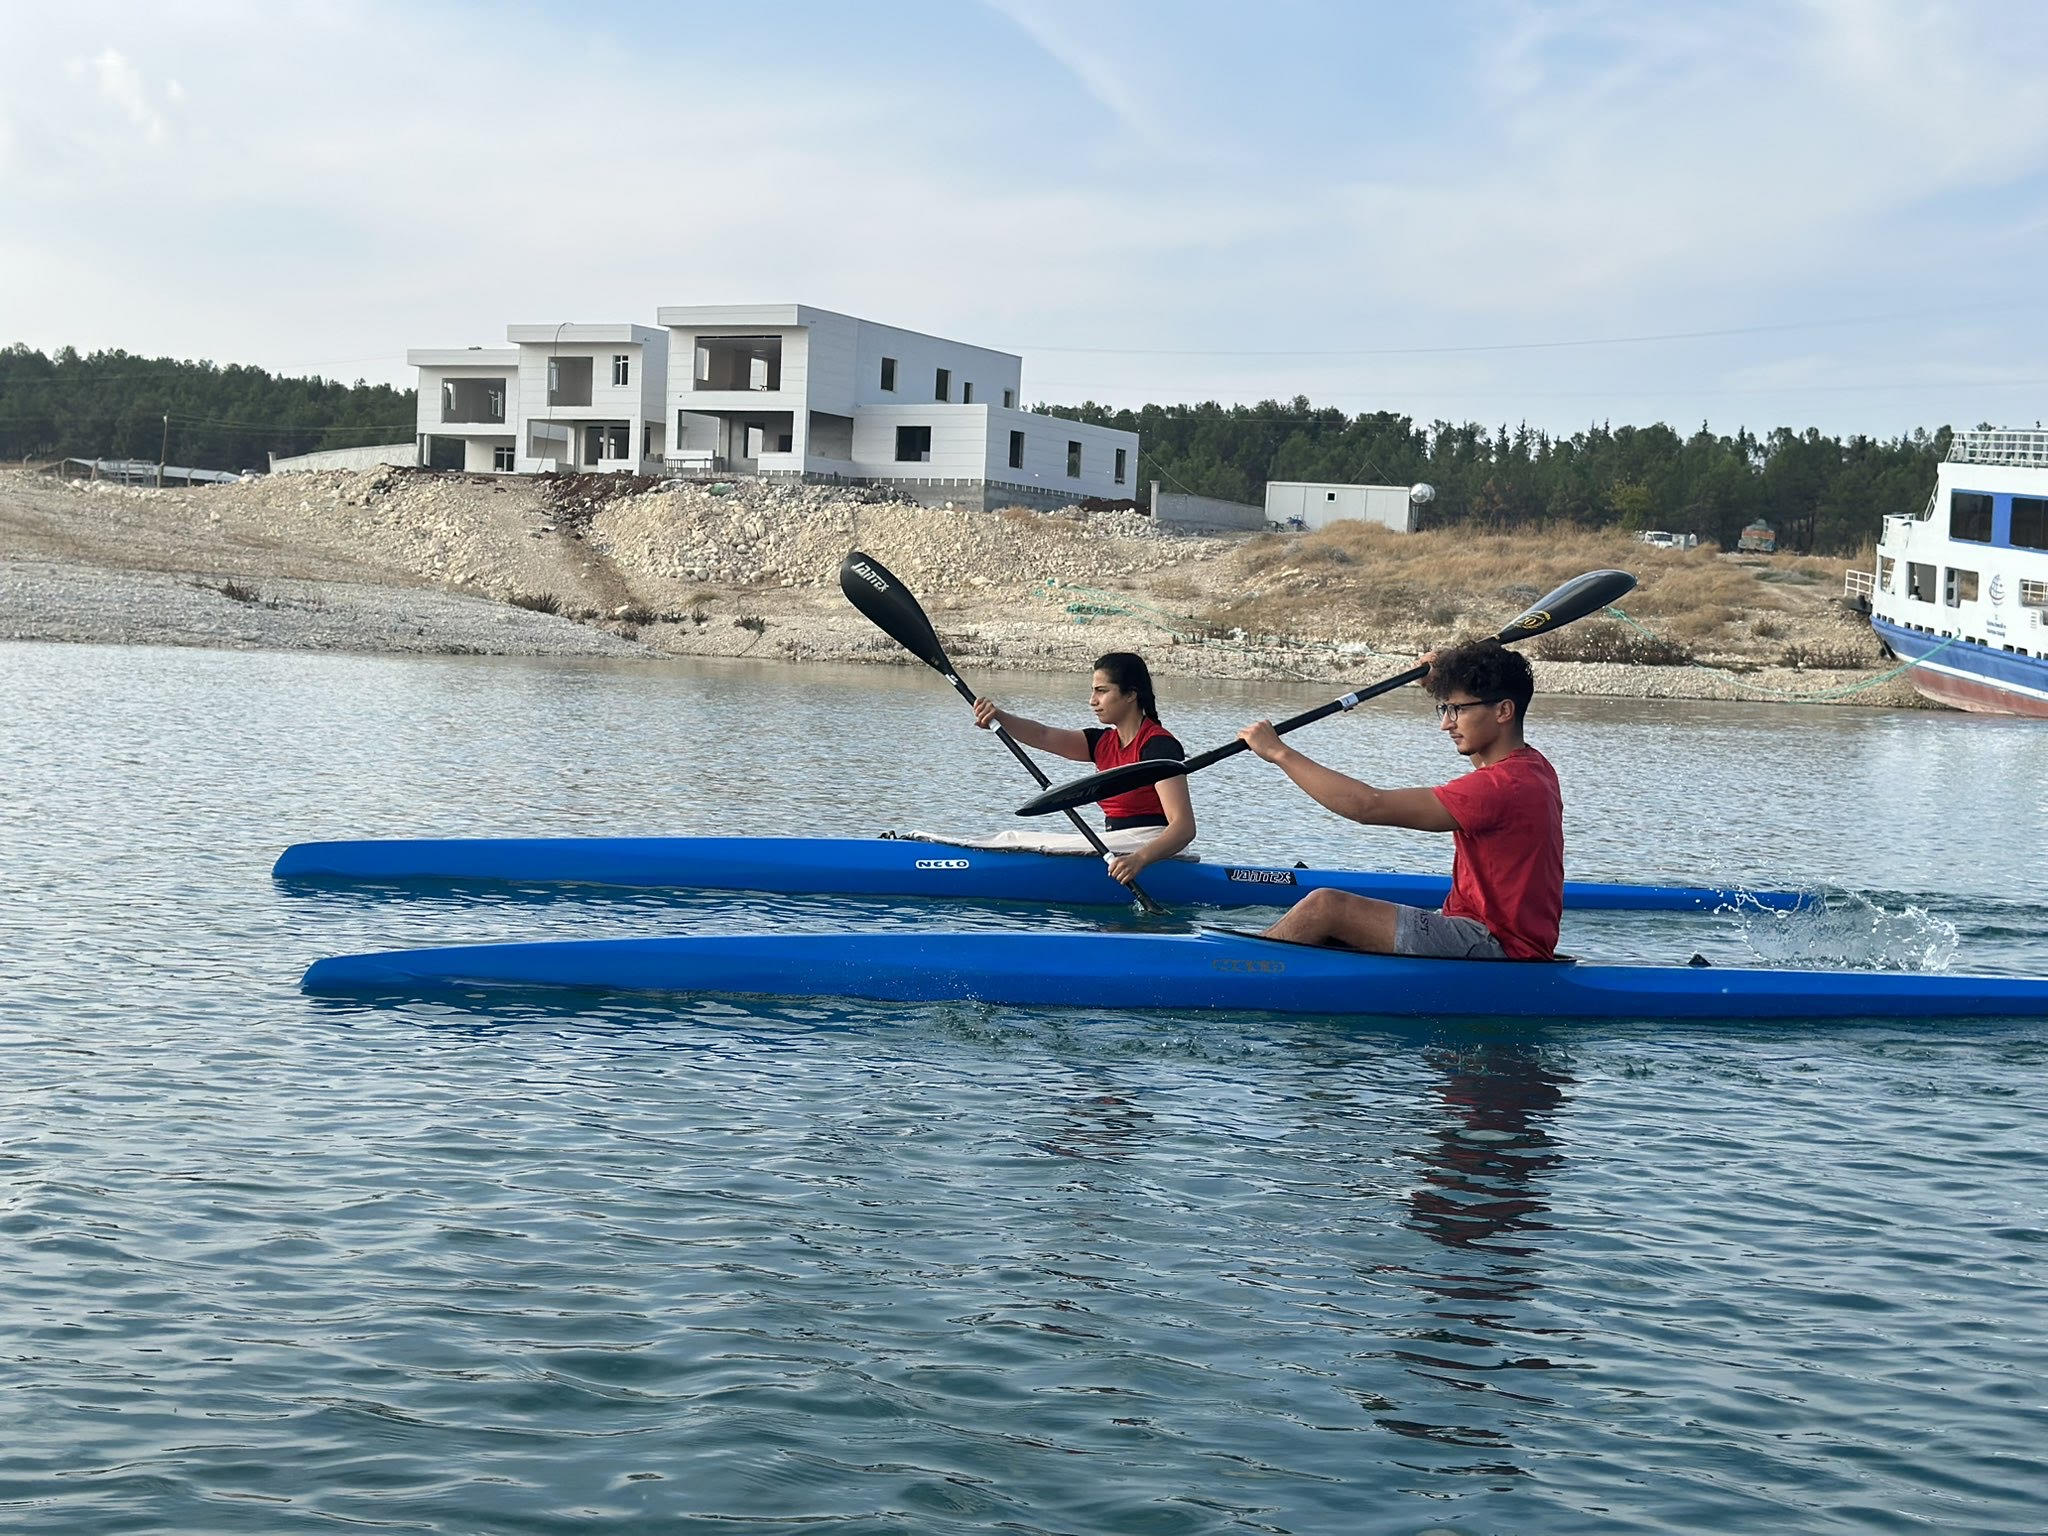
573	1262
1481	1196
1480	1180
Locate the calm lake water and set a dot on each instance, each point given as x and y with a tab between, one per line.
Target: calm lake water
274	1265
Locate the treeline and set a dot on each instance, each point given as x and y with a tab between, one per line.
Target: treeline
1821	494
113	405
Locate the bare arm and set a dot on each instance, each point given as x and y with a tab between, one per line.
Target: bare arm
1044	737
1417	809
1178	832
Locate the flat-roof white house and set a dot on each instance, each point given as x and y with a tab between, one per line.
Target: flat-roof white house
591	397
468	406
764	389
787	389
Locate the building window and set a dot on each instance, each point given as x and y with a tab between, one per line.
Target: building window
1120	466
1009	399
569	381
1959	587
942	385
967	394
1969	516
889	374
1073	460
2029	522
621	368
913	445
473	400
752	363
502	458
1016	450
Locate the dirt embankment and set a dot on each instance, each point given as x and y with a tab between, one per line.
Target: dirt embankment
395	559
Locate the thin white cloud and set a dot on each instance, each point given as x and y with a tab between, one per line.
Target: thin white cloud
120	83
384	177
1637	153
1103	78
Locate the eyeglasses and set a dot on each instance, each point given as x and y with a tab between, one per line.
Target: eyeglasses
1452	711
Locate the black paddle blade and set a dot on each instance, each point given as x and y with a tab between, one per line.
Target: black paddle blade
1574	600
870	587
1100	786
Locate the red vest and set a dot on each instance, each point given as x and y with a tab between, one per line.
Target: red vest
1110	752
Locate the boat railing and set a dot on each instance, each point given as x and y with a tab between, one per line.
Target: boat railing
2001	445
1857	584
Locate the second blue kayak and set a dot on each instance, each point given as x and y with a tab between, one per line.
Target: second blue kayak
882	866
1206	970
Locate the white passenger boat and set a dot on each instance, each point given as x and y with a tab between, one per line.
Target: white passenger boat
1962	589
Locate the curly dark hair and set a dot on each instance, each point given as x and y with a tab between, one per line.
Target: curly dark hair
1487	670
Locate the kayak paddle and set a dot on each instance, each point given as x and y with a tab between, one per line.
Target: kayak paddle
1574	600
871	588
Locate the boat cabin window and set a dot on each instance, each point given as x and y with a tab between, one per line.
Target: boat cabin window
1969	516
2029	522
1959	588
1885	566
2033	594
1920	582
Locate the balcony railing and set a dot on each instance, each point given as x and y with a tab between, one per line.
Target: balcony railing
2003	445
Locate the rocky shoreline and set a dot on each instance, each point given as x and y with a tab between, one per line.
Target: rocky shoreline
410	563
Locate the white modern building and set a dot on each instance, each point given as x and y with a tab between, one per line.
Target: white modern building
468	406
763	389
564	397
591	398
1296	502
786	389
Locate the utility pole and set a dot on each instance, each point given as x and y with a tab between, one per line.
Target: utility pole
163	451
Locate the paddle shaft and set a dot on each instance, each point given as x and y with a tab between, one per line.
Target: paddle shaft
1031	767
1310	716
1572	601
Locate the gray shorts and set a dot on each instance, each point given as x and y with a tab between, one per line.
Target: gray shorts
1419	931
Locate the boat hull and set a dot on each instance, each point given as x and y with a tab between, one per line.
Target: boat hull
879	866
1965	675
1199	971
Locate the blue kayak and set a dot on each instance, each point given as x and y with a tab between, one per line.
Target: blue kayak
883	866
1203	970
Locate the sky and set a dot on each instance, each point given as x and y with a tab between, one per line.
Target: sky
1804	213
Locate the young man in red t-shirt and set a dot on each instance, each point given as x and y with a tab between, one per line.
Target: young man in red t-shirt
1506	818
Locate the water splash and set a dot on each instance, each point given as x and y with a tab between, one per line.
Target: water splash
1846	929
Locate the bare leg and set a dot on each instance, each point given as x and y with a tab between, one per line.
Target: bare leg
1326	917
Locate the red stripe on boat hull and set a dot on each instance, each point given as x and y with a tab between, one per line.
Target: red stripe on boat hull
1979	698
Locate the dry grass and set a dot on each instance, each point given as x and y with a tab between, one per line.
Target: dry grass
1356	580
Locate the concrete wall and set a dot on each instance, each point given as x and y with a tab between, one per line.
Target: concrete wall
972	443
1045	454
918	359
349	458
1320	505
1204	514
